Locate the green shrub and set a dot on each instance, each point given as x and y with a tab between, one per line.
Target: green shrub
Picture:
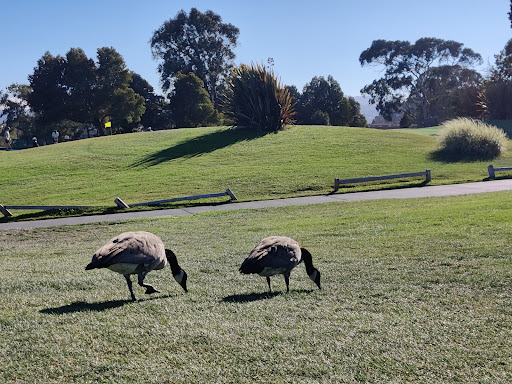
190	104
320	118
464	138
255	99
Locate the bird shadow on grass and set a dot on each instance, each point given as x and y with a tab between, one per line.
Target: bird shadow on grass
82	306
199	145
250	297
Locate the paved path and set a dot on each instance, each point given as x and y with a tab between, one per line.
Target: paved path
405	193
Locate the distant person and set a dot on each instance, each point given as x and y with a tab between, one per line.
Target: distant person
7	138
34	142
55	136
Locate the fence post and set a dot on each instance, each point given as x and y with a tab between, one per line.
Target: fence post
492	175
230	194
428	176
336	184
120	203
5	211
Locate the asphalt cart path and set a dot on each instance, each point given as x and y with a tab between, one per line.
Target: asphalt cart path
404	193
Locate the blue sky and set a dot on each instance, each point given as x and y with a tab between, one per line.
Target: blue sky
305	38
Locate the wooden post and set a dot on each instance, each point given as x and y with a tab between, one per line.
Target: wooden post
120	203
5	211
336	184
428	176
492	175
230	194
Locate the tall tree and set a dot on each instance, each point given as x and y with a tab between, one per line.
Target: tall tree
510	14
16	112
408	70
157	113
357	119
78	89
189	102
197	42
323	97
497	93
502	70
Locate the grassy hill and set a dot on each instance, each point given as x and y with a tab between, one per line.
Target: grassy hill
299	161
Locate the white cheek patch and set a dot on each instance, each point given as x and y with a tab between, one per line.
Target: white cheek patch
179	277
313	275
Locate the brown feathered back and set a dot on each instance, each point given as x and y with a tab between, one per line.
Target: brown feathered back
130	248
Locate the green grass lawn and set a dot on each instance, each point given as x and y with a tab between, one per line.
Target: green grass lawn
148	166
414	291
430	131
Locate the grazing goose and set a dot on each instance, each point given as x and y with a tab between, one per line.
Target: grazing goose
137	253
279	255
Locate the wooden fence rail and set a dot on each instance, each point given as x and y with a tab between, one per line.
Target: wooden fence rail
338	182
122	204
4	209
492	171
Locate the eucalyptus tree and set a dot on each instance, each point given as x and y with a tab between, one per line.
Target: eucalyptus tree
198	42
15	112
409	70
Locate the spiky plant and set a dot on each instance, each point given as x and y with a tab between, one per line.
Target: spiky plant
255	98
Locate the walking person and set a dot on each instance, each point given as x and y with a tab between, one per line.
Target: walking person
55	136
7	138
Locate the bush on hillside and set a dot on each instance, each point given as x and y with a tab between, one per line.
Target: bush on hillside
255	99
320	118
190	104
464	138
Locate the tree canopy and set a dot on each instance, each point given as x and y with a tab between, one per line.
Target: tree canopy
190	104
198	42
510	14
78	89
157	114
496	96
15	110
409	72
322	102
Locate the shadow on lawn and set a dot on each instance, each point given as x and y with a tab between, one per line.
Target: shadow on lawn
199	146
82	306
249	297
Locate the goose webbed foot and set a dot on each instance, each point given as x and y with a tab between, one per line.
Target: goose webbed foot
150	289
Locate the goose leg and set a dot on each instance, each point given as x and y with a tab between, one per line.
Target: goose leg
129	282
268	282
287	281
149	288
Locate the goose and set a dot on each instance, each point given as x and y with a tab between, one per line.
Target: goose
279	255
137	253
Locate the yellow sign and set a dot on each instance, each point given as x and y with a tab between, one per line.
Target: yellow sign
108	125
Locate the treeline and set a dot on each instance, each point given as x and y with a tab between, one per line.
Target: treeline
434	80
78	95
424	83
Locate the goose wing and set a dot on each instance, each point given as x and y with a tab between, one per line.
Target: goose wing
273	255
130	248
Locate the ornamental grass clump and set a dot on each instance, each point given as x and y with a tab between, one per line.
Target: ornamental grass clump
256	99
464	138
